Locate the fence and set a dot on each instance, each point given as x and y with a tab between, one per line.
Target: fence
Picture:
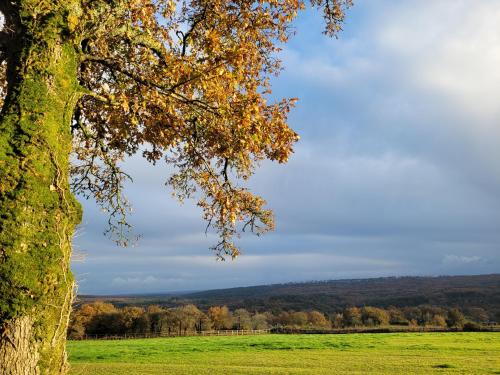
234	332
231	332
390	329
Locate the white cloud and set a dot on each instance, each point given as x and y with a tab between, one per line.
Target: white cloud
323	71
460	259
452	47
145	282
446	55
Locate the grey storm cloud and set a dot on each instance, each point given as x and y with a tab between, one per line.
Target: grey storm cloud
396	172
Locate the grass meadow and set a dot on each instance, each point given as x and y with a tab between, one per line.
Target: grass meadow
394	353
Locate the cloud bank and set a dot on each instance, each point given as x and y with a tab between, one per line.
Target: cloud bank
396	172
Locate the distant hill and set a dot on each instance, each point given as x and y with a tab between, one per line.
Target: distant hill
334	295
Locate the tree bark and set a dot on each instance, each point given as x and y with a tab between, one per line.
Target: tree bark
38	213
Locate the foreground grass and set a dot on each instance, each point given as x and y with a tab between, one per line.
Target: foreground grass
398	353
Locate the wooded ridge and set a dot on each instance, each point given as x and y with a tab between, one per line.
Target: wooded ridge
332	296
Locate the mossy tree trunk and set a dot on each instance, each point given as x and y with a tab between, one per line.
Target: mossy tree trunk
38	213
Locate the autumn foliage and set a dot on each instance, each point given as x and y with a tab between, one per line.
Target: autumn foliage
187	83
102	318
85	84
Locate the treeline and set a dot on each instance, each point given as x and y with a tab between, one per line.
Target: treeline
330	297
101	318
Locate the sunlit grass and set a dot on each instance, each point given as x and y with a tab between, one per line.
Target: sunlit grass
400	353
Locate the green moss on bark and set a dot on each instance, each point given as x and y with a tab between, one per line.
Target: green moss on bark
38	213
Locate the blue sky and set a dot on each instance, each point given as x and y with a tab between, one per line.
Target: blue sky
397	171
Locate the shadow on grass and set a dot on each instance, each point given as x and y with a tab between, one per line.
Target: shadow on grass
444	365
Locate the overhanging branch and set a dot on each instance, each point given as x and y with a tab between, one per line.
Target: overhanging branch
115	66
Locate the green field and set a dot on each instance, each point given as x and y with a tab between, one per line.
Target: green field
398	353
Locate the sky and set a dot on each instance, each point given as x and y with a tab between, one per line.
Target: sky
397	171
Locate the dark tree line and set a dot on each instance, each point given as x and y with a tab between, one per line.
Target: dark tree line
465	292
101	318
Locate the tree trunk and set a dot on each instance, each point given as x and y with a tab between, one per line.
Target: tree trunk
38	213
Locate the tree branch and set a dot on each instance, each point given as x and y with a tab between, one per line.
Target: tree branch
168	91
136	37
